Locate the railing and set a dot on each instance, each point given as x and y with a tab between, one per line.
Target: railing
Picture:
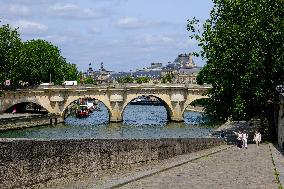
109	86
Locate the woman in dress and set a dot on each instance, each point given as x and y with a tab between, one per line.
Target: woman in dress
257	138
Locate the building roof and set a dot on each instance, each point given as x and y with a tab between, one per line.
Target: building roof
151	73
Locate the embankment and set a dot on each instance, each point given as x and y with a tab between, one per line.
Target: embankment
20	122
29	163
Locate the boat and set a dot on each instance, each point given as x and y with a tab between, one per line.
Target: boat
82	111
146	100
92	106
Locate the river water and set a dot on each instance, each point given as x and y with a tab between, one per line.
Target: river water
140	122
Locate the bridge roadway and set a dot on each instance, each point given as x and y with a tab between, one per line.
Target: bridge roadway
56	99
220	167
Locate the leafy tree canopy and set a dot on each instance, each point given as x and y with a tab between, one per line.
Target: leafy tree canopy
10	44
142	79
34	61
125	79
168	78
89	80
242	42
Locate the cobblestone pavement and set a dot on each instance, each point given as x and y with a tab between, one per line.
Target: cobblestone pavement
231	168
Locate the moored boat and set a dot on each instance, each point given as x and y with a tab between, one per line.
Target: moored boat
82	111
146	100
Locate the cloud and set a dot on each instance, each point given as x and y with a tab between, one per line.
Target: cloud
15	10
155	40
95	30
74	11
131	23
31	2
30	27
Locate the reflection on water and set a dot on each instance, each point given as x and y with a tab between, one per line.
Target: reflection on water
139	122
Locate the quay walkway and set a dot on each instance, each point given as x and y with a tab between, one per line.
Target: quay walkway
16	115
217	168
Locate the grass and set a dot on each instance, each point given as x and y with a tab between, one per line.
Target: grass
276	174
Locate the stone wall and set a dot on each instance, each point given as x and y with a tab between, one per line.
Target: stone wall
28	162
280	123
28	121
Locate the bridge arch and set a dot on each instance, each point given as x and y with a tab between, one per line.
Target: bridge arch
71	99
162	98
9	104
191	98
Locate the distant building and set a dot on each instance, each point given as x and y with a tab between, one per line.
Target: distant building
183	69
187	75
103	75
115	76
100	76
153	67
90	72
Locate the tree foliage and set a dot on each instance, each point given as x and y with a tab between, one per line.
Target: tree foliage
168	78
142	79
242	42
10	44
32	62
89	80
125	79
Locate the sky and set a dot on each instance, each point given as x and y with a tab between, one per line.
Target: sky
124	34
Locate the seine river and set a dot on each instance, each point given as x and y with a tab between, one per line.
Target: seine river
140	122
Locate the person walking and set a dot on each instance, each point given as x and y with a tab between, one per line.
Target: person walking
257	138
245	140
239	139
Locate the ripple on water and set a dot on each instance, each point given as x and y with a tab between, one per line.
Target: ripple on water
139	122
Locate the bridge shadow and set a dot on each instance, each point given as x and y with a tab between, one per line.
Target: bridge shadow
27	107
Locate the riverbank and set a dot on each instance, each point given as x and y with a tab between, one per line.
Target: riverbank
223	166
195	109
31	163
9	121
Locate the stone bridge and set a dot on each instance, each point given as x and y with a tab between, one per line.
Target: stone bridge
56	99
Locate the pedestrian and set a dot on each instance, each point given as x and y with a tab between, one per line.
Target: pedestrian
14	110
257	138
222	135
239	139
245	139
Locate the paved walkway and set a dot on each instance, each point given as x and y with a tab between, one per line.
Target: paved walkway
221	167
232	168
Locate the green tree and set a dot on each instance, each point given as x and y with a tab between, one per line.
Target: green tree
142	79
168	78
34	61
125	79
10	45
242	42
89	80
41	62
70	72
